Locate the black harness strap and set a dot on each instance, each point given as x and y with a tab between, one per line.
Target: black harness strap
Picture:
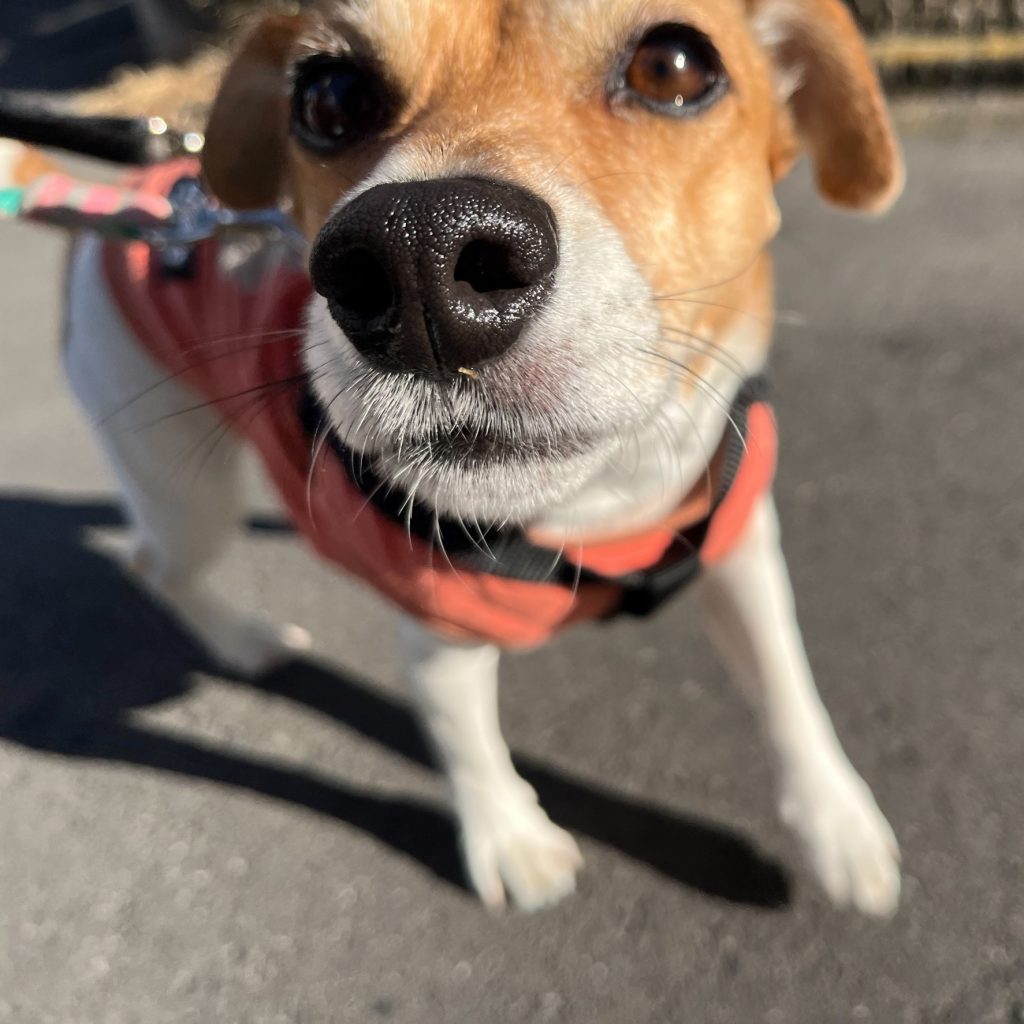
508	553
680	564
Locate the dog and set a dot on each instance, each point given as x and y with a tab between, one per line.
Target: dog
517	384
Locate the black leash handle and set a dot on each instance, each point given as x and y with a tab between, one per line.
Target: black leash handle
137	142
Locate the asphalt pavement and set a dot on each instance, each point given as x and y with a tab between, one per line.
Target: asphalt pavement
179	846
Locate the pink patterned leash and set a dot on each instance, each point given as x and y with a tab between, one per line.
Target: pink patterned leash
61	201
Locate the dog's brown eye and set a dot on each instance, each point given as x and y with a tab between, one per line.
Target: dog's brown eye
674	70
336	102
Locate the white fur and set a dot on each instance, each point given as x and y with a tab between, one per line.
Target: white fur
773	22
154	433
751	618
509	845
667	456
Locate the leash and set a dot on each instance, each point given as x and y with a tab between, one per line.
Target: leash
33	189
186	217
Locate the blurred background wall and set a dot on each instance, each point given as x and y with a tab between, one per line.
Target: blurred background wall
945	44
939	15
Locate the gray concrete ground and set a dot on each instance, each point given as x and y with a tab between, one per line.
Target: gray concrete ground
179	846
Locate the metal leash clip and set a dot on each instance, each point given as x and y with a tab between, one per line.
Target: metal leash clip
197	217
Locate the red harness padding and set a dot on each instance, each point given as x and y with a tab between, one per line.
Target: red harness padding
240	349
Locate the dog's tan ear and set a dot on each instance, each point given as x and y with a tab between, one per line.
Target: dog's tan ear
835	100
247	134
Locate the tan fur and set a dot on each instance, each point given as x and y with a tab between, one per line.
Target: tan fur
181	95
838	108
250	115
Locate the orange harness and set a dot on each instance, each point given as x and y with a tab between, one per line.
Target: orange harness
240	348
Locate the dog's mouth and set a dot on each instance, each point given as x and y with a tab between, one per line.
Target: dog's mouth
491	475
514	438
465	471
469	446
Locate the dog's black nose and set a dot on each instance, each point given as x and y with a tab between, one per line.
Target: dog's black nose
433	276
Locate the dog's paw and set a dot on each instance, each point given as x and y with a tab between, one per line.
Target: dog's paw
245	645
253	646
849	843
513	852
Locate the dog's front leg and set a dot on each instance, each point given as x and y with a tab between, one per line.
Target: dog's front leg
509	845
751	618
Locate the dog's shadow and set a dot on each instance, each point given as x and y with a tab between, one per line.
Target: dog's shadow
81	648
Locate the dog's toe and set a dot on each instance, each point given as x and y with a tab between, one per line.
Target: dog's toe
519	856
247	646
254	646
849	843
540	870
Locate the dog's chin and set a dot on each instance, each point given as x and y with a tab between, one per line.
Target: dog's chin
505	488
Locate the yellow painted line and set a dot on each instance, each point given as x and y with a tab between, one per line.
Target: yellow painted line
902	50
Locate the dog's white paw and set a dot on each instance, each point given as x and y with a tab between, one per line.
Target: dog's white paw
513	852
253	646
246	645
850	844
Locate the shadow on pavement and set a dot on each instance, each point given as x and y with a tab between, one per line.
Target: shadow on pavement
81	648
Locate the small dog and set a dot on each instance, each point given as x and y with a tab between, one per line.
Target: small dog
517	385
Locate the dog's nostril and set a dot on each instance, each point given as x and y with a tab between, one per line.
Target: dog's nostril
363	286
427	277
488	266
